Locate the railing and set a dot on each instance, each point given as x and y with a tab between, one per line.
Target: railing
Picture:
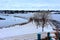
48	37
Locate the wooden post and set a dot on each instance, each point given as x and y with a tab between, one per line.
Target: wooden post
48	35
39	36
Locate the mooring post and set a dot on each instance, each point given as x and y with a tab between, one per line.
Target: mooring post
38	36
48	35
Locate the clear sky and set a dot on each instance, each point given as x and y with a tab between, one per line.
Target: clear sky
29	4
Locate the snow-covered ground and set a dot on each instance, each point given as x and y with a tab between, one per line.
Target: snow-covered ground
24	29
10	20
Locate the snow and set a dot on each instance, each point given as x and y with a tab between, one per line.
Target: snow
55	17
28	15
10	20
20	30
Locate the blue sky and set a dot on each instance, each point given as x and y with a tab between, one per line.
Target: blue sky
29	4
